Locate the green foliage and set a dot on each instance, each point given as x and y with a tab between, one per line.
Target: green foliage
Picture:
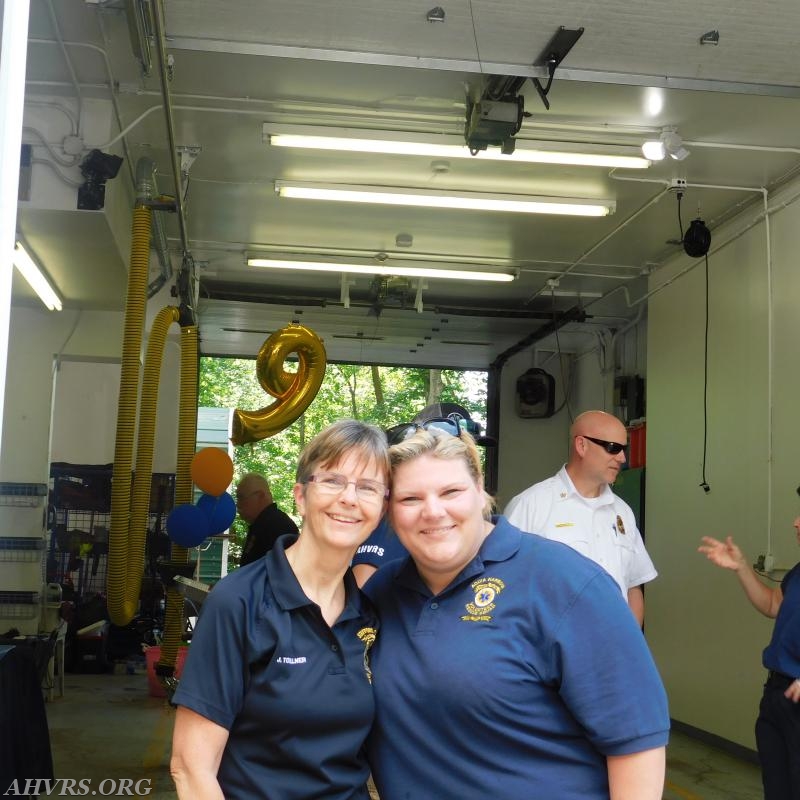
346	391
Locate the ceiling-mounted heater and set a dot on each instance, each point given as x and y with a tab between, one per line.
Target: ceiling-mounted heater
536	390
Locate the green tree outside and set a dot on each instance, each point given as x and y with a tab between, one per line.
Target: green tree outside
384	396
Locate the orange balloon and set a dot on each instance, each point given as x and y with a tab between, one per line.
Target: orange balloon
212	470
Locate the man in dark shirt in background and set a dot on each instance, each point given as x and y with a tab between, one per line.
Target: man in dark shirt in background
267	522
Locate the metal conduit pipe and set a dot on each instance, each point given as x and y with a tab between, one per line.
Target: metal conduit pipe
627	221
111	84
162	250
147	189
158	22
187	443
67	59
494	373
126	417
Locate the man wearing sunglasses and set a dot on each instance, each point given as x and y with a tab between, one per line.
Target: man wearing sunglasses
576	506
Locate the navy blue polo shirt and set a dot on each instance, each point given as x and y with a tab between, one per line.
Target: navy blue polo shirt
381	547
782	654
516	681
293	693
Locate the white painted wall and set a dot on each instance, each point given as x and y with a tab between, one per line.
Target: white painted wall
705	636
36	337
534	449
85	417
530	449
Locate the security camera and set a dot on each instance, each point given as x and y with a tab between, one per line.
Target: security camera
96	168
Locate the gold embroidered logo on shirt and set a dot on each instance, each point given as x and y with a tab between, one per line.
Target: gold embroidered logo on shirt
620	525
367	636
486	591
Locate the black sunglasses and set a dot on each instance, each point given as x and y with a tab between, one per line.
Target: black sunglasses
451	425
612	448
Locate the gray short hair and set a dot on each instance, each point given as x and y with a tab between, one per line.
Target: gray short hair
336	441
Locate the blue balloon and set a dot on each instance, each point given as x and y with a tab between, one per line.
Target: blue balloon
187	525
220	511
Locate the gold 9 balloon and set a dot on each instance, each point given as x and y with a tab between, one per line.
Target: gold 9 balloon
294	391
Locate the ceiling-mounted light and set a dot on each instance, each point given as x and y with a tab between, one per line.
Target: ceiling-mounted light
654	101
464	201
33	274
654	150
383	269
668	144
398	143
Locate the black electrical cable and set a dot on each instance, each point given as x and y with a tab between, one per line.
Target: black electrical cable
475	36
564	384
680	223
704	484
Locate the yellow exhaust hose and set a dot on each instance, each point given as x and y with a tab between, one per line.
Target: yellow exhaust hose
118	544
187	445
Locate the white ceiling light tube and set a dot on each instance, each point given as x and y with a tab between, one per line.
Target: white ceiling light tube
383	269
395	143
31	272
464	201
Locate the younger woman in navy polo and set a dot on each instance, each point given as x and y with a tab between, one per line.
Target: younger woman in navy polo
508	666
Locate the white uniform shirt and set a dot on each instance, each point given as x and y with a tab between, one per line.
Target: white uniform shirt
601	528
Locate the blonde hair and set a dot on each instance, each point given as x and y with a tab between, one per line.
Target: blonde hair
439	444
336	441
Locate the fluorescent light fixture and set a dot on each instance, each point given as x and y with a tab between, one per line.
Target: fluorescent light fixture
450	147
31	272
383	269
465	201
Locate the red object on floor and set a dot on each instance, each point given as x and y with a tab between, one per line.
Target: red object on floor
637	441
152	655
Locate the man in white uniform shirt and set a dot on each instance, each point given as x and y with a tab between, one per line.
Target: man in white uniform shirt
576	506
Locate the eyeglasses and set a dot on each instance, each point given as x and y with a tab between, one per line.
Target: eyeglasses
612	448
451	425
336	483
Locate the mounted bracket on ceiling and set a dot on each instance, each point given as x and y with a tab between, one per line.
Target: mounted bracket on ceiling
187	291
418	305
556	51
495	117
435	14
345	283
188	153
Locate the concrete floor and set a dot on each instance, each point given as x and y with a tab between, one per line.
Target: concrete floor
108	727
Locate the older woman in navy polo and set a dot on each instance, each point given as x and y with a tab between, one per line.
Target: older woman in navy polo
275	699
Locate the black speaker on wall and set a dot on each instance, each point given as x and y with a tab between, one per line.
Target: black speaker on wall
536	390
